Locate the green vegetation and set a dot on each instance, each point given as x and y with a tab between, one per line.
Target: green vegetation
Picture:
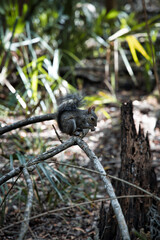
35	42
39	39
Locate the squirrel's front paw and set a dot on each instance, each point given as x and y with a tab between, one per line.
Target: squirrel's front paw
76	133
85	131
82	133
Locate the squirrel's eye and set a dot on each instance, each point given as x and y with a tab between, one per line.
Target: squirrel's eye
92	119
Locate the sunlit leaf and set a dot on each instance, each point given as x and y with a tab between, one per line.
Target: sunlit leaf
25	80
127	64
105	113
132	49
40	59
20	26
15	45
50	92
134	45
100	99
112	14
34	85
119	33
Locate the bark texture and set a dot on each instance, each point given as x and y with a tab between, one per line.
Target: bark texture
136	167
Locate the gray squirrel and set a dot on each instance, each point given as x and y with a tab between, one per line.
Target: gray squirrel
74	121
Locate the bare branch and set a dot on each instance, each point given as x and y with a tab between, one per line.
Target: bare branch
57	133
74	206
135	186
6	195
48	154
99	168
70	142
10	174
28	121
53	151
110	176
25	224
115	204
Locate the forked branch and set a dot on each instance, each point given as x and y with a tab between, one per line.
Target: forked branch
97	165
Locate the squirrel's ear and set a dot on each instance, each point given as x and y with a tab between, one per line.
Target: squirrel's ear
91	108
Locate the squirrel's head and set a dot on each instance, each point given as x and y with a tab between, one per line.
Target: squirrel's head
92	118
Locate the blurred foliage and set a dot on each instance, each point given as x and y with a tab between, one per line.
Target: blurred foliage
39	37
37	41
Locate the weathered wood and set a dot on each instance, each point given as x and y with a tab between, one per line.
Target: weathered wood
136	167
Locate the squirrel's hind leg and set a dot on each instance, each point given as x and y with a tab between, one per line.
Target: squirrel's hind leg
69	126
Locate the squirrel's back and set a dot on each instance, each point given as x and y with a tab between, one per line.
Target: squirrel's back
69	103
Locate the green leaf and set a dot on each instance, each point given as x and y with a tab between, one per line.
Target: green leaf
127	64
101	98
60	175
106	114
21	158
49	176
34	85
134	45
112	14
132	49
73	56
11	161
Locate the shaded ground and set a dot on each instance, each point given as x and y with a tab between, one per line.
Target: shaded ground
79	222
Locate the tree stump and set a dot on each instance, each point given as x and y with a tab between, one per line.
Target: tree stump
136	167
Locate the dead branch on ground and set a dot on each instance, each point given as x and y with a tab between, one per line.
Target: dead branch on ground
27	213
97	165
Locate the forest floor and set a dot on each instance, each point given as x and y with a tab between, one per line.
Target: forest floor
67	221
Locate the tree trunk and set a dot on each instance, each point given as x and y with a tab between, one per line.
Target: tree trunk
136	167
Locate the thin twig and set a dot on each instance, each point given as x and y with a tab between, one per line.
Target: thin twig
99	169
110	176
10	174
4	199
135	186
48	154
28	121
57	133
25	223
74	206
53	151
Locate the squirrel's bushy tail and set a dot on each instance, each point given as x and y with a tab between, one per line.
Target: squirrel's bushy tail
70	103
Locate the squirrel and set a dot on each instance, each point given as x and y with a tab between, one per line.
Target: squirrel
74	121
